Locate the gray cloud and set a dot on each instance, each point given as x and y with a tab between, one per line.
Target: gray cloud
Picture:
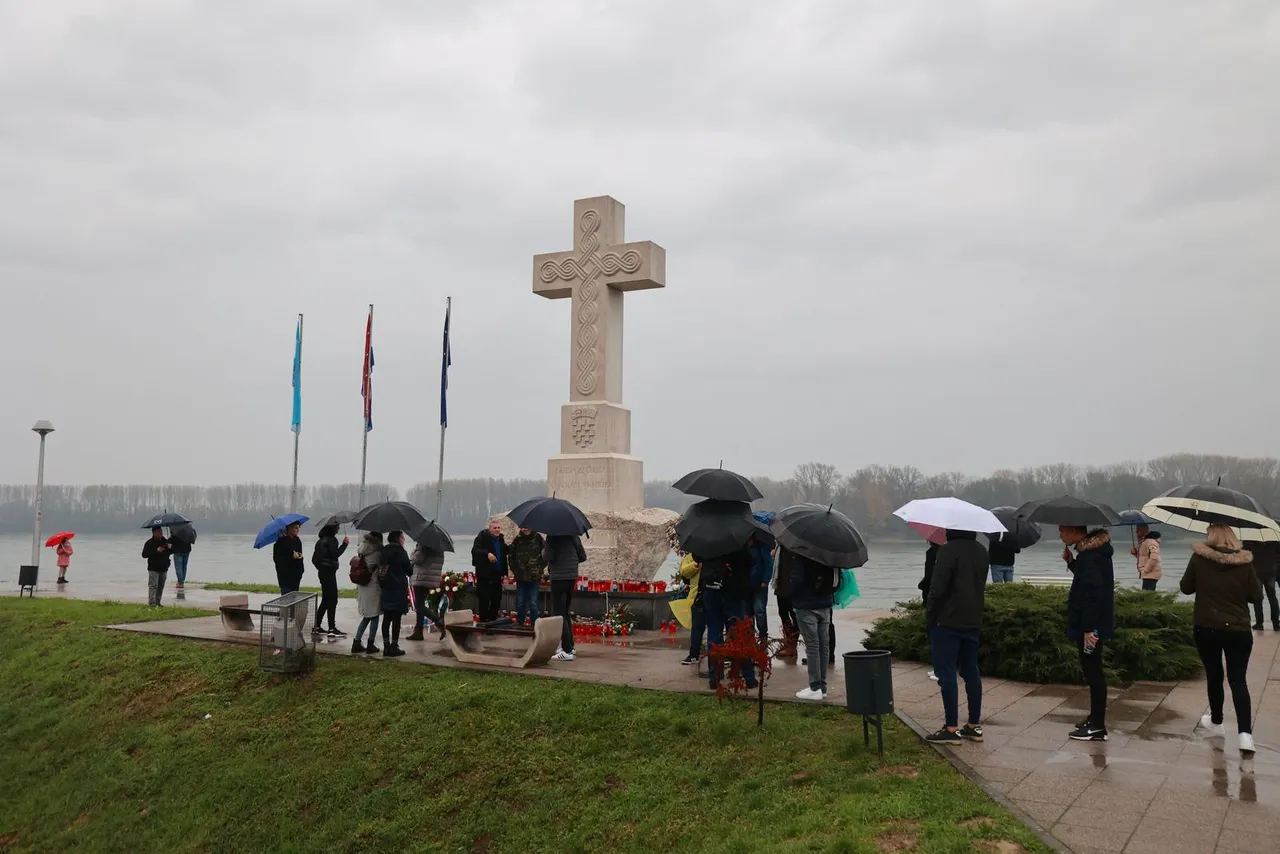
962	236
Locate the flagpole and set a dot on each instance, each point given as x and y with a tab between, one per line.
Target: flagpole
445	360
297	426
364	419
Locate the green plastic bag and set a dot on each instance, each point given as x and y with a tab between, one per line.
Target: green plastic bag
847	590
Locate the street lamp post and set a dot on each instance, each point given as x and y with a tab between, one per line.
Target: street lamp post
44	428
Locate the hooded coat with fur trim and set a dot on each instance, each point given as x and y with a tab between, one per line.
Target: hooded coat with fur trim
1091	605
1224	583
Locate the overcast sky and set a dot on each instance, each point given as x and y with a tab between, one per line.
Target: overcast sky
960	235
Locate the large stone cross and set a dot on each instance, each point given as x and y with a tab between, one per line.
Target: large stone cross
595	274
595	469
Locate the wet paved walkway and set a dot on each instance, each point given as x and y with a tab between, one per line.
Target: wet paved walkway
1158	785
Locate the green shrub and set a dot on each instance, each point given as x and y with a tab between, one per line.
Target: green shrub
1024	636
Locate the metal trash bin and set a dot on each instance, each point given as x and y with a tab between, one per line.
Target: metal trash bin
868	689
284	636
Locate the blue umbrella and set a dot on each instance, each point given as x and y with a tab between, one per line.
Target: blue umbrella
275	528
1134	518
551	516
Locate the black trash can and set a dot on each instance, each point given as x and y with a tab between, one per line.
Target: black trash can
868	682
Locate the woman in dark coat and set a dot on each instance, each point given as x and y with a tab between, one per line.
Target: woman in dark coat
395	592
1091	608
325	559
287	556
1221	576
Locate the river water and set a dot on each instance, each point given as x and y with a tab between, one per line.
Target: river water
890	576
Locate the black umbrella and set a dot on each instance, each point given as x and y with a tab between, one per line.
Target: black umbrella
822	534
343	517
431	536
166	520
551	516
1019	534
711	528
183	533
1069	511
1195	508
388	516
720	484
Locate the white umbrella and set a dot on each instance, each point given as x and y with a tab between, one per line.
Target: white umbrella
928	515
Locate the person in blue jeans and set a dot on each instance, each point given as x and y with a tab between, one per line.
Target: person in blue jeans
953	614
181	537
526	565
1001	559
724	588
761	575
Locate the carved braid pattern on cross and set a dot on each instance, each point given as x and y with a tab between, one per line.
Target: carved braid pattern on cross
586	268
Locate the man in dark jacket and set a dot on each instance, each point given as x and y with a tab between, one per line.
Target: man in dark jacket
489	559
156	551
723	589
525	562
287	556
181	539
1266	562
813	587
1002	557
393	577
1091	606
953	613
563	555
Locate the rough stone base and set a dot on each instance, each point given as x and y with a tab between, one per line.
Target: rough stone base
631	544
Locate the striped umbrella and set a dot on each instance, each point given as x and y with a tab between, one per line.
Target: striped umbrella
1196	507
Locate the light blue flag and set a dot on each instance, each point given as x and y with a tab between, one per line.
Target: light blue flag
297	380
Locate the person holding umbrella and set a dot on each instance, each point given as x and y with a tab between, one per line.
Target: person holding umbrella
156	553
953	614
62	547
393	578
1088	553
1091	607
182	538
562	555
287	556
724	590
1221	577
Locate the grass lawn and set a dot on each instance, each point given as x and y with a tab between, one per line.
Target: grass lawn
107	747
238	587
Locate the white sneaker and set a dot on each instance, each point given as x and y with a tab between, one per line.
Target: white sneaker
933	676
810	694
1246	742
1206	723
561	655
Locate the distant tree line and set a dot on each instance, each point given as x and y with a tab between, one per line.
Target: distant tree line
869	495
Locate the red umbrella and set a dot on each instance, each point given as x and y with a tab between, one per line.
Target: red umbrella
57	538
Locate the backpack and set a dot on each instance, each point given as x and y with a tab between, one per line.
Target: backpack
824	580
360	574
381	574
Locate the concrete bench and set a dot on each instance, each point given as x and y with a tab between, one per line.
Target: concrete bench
235	612
466	640
1047	581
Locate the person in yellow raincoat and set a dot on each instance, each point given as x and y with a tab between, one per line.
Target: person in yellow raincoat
689	610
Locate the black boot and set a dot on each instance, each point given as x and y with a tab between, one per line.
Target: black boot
356	647
371	649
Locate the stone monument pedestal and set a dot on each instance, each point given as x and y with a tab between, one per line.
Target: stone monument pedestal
594	469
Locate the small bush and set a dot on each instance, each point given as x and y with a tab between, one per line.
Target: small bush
1024	636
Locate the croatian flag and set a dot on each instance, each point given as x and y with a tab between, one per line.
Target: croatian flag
366	385
446	359
297	380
